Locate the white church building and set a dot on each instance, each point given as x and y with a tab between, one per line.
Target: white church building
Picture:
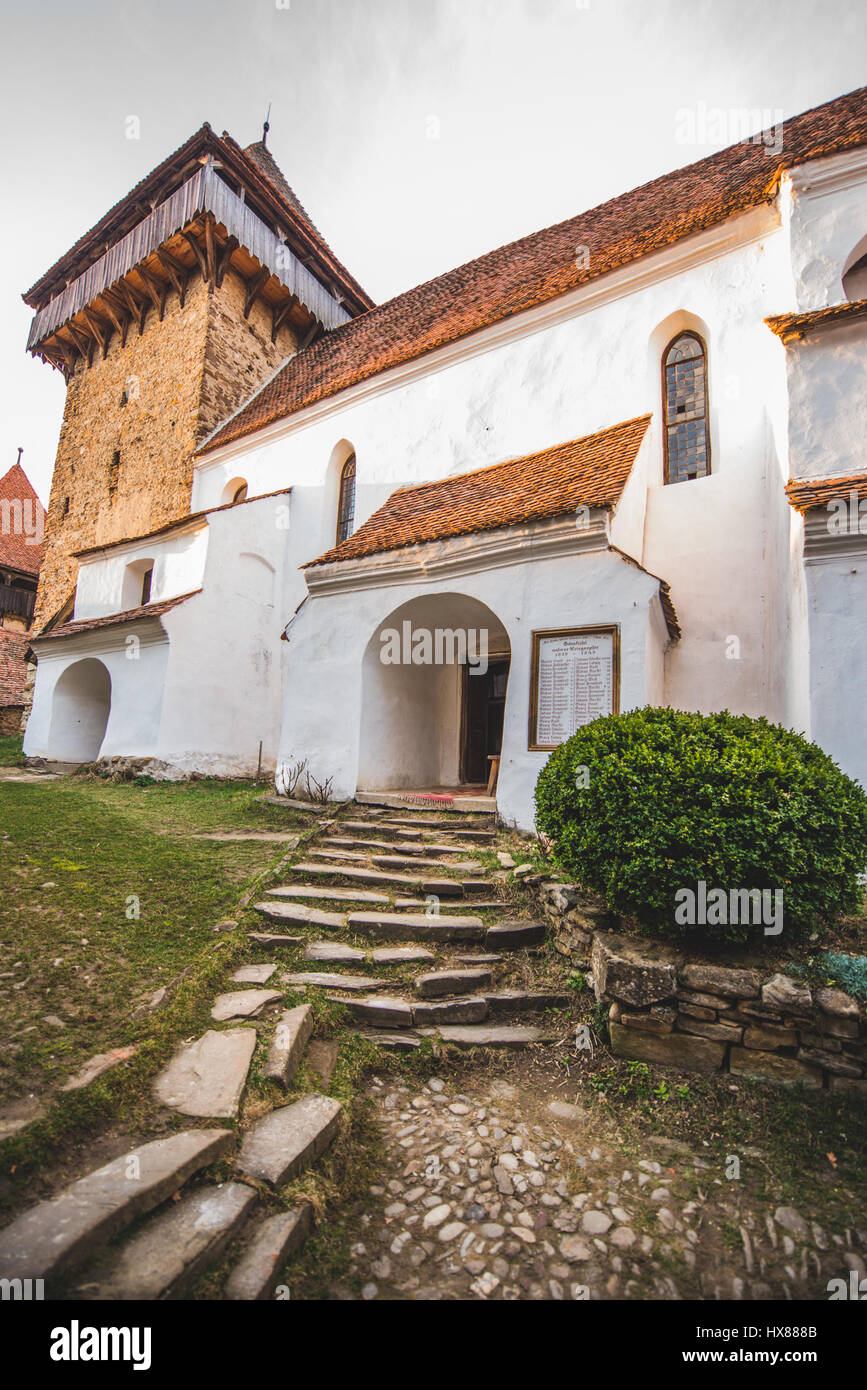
616	463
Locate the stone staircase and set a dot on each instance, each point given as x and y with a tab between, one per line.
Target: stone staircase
151	1222
456	911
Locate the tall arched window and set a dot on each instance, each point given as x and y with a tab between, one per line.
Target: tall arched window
346	503
684	394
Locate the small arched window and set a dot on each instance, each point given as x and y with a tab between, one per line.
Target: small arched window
346	503
240	494
684	395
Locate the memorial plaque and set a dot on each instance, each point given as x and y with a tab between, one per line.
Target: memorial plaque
575	677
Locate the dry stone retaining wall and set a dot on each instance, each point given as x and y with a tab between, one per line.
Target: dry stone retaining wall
672	1008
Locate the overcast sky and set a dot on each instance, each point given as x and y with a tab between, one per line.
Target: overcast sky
417	133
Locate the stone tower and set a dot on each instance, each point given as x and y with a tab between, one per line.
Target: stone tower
167	315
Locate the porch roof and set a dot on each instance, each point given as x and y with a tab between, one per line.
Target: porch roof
130	615
590	472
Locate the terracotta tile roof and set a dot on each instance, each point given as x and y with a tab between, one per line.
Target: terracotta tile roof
179	523
243	165
789	326
665	599
805	494
13	666
539	267
588	472
150	610
14	549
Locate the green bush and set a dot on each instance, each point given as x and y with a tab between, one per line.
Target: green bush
642	805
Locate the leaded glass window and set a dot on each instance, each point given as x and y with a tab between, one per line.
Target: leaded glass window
346	505
687	440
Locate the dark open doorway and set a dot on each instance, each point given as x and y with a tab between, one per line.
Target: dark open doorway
484	705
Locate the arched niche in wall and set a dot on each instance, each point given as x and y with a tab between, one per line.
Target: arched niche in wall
855	272
137	583
254	579
234	491
682	321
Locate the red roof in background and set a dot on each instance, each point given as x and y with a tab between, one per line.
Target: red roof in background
13	667
589	472
17	551
539	267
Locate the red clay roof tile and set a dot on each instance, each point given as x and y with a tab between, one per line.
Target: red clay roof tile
539	267
17	550
149	610
805	494
588	472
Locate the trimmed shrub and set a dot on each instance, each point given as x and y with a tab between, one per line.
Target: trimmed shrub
644	805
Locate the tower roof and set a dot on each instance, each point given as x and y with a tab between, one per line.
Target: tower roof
264	186
19	547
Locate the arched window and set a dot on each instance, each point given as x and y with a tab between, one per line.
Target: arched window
234	491
346	503
684	395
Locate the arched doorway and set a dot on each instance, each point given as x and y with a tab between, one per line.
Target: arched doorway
79	712
434	681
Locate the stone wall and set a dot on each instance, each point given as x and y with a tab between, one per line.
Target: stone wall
133	420
674	1008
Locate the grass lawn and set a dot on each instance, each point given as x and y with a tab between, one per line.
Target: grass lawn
106	896
10	750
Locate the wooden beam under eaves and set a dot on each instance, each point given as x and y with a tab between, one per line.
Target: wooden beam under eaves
199	253
230	246
279	315
176	271
255	285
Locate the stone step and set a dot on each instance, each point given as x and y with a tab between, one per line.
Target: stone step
331	895
253	974
60	1233
421	803
470	1009
514	935
439	982
274	1241
320	980
474	832
297	912
174	1247
389	926
243	1003
513	1036
400	955
394	861
334	952
342	855
480	958
397	1042
471	886
273	941
413	904
443	888
285	1142
206	1078
366	826
287	1046
409	847
519	1001
386	1011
